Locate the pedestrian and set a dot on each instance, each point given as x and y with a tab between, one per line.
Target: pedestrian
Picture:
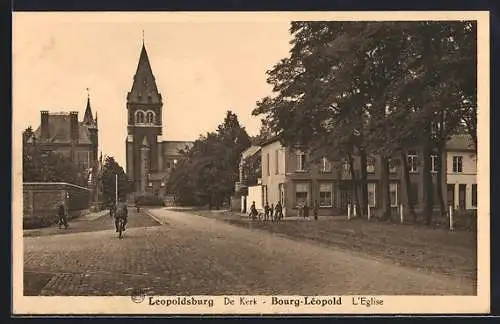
253	211
266	211
315	210
278	211
305	210
61	215
271	212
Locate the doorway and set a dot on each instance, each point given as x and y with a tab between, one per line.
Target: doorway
461	196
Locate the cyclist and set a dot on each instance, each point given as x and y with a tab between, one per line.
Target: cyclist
121	212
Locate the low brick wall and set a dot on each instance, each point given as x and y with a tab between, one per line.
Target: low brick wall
40	201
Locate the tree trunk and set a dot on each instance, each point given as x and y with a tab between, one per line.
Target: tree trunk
439	182
384	188
364	184
353	180
406	176
428	185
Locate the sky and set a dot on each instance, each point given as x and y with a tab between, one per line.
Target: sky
203	67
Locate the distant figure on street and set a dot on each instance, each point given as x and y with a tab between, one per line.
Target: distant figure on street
61	215
112	210
316	210
271	212
305	210
253	210
266	211
121	212
279	211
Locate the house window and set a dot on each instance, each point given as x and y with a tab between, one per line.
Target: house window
412	161
474	195
370	165
457	163
139	117
392	166
393	192
267	164
372	194
276	162
325	194
434	163
347	166
326	166
301	161
301	193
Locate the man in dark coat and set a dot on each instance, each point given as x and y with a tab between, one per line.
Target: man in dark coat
61	215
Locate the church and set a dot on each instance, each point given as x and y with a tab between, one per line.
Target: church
149	160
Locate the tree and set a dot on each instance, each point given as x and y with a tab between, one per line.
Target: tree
207	172
110	169
394	85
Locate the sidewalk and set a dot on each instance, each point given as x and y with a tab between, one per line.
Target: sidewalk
74	224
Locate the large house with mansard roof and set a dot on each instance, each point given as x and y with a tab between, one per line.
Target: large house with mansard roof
63	133
149	160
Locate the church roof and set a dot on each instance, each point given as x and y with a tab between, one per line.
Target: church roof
59	130
174	147
144	89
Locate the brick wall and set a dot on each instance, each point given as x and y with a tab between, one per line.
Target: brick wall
40	201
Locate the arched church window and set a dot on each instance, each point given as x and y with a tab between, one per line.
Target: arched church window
139	117
150	117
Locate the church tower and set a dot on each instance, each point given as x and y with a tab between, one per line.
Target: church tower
144	115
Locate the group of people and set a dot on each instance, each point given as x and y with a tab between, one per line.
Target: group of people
304	210
273	213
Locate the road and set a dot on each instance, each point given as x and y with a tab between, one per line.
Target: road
184	254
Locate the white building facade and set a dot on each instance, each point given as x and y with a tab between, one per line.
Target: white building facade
461	173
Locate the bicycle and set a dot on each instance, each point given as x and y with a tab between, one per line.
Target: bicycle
121	226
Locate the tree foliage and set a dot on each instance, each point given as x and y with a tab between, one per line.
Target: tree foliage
357	88
110	169
207	172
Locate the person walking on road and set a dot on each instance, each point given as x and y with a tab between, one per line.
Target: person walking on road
279	211
61	215
266	212
253	211
305	210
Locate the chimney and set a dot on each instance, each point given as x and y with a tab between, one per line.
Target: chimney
44	122
73	120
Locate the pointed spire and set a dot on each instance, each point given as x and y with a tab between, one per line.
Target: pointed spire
87	118
144	89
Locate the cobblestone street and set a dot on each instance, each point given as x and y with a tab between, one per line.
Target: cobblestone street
193	255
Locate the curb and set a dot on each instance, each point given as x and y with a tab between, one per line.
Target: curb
150	214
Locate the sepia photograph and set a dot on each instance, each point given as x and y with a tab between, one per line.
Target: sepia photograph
250	163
